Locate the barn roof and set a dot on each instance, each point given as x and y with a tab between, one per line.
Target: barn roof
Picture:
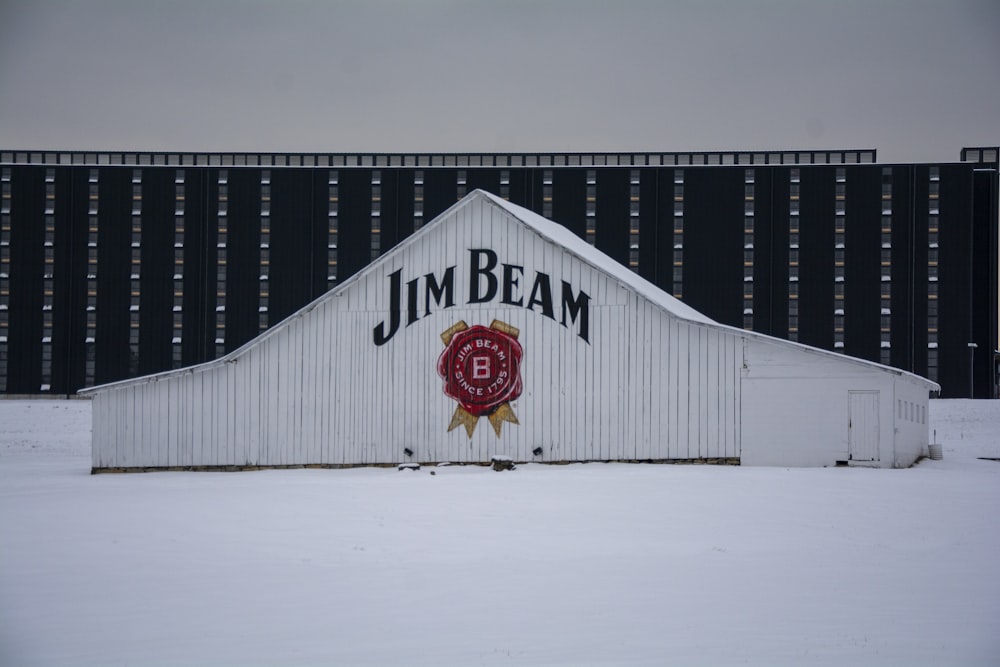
575	245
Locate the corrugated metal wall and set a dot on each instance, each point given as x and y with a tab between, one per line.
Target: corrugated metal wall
318	390
47	345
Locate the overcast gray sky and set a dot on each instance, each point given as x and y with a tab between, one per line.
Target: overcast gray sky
916	80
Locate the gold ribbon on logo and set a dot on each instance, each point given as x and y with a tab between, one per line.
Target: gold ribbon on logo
503	413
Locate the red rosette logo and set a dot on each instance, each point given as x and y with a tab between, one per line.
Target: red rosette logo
481	369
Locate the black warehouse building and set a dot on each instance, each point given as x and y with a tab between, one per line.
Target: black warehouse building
114	265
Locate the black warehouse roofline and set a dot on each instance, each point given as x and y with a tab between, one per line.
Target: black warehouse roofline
430	159
979	154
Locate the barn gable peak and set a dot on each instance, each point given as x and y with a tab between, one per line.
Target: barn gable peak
574	245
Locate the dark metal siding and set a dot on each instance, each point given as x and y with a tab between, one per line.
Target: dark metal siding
156	271
484	178
649	225
113	269
713	253
440	191
613	213
777	225
957	300
354	222
243	256
863	241
292	239
396	207
904	323
985	223
713	243
765	253
663	237
70	320
816	240
198	303
569	199
27	235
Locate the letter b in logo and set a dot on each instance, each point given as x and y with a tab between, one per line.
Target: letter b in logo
480	368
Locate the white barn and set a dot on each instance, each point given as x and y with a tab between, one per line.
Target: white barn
495	332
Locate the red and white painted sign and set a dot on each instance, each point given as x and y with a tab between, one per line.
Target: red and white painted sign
481	368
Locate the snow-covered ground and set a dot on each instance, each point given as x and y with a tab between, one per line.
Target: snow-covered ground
598	564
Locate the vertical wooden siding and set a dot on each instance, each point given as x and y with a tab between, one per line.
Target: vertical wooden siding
317	390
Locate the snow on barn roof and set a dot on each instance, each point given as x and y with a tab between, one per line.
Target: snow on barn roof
574	244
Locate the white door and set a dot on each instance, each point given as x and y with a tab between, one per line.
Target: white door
862	425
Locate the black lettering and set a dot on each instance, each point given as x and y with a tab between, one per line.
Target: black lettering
411	301
577	307
541	295
478	270
446	289
510	283
380	335
574	308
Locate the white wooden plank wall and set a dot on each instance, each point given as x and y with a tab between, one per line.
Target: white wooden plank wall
317	390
